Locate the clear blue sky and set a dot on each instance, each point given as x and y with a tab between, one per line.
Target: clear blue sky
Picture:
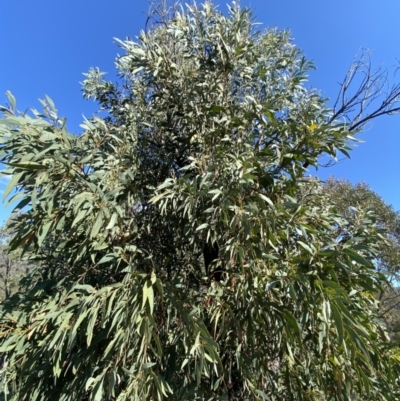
47	45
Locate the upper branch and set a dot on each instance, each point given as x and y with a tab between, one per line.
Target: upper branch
365	93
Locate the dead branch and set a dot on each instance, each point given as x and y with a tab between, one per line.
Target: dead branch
365	93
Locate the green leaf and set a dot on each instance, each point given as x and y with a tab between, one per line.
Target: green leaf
107	258
262	394
148	296
82	214
293	326
338	322
202	227
266	199
306	247
43	232
91	324
12	100
97	225
113	221
358	258
13	182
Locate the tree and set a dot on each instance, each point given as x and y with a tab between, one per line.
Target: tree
12	268
182	252
353	202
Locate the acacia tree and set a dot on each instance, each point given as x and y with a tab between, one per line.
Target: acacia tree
182	253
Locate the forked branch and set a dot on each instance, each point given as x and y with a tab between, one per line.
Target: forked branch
366	93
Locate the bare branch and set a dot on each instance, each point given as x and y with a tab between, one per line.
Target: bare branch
331	163
365	94
386	311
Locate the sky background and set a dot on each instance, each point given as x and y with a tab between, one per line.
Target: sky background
47	45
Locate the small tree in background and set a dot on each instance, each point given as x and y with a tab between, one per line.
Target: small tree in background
12	268
182	252
353	201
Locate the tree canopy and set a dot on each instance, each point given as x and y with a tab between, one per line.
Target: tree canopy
12	268
353	202
181	250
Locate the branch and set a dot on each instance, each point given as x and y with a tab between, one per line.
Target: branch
160	11
365	94
386	311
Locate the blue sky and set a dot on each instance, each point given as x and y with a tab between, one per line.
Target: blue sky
47	45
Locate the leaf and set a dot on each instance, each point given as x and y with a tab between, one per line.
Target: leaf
91	324
14	181
217	109
147	365
266	199
338	322
107	258
148	295
306	247
43	232
82	214
113	221
202	226
326	311
50	103
73	332
28	165
97	392
195	345
290	319
358	258
97	225
156	198
89	383
9	344
262	394
167	183
84	287
12	100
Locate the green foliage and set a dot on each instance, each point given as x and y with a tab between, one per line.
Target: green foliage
353	202
12	268
182	253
